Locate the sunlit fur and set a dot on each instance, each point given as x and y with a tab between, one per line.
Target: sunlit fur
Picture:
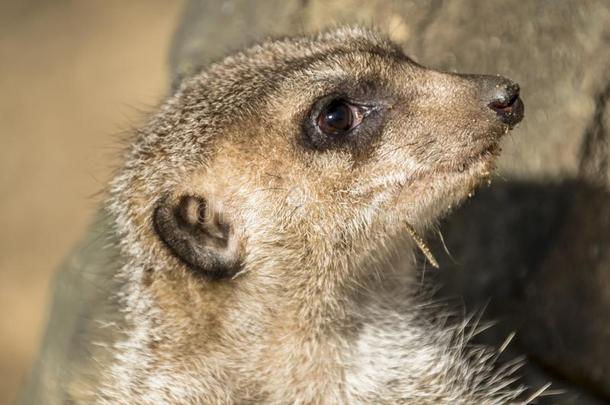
326	308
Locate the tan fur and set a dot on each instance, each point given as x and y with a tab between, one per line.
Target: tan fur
325	308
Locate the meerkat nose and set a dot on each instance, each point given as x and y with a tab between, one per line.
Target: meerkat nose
503	98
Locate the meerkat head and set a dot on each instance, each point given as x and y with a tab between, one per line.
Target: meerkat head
304	153
272	191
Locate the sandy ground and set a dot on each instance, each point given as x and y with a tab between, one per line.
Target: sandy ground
75	76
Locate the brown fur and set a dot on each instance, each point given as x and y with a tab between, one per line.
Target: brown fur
324	308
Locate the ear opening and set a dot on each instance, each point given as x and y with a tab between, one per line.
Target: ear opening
199	235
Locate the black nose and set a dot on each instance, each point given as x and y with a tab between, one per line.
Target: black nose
505	101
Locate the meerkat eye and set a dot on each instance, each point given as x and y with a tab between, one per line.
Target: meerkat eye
339	117
334	121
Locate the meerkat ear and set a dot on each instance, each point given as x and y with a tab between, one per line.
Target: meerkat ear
197	233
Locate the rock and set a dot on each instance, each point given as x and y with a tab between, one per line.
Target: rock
569	297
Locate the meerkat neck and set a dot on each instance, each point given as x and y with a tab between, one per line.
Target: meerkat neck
329	297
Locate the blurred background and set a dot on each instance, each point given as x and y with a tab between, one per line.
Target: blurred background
75	76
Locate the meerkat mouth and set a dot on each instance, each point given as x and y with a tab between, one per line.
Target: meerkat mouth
480	167
467	177
444	188
488	155
471	170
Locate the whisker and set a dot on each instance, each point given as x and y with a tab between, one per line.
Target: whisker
440	235
536	394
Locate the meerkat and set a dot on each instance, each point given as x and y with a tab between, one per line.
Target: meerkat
265	217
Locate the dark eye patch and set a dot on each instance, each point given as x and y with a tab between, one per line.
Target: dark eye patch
335	121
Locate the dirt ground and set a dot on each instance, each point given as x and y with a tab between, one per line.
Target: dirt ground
75	76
